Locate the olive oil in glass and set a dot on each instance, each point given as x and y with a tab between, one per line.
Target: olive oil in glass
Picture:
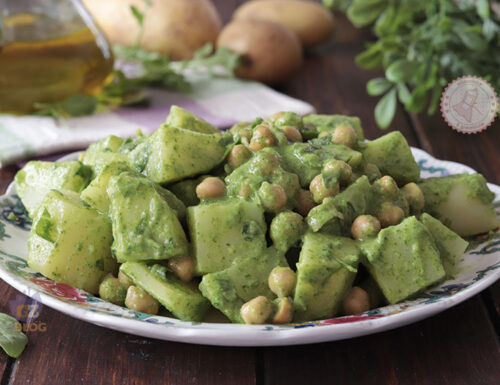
49	50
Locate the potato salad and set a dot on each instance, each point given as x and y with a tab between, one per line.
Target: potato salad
285	219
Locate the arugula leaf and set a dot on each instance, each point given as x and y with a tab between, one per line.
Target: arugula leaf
12	340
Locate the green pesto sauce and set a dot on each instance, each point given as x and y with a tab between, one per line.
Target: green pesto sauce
264	166
230	237
437	189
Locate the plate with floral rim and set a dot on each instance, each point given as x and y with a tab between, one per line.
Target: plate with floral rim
479	268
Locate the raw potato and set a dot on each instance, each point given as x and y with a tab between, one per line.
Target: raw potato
176	28
312	23
270	52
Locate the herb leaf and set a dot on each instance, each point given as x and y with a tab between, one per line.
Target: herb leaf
371	58
378	86
12	340
139	16
75	105
401	71
386	109
365	12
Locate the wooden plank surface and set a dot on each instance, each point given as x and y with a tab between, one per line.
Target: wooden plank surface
456	347
75	352
6	176
493	296
480	151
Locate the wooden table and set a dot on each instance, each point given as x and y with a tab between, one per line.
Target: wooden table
459	346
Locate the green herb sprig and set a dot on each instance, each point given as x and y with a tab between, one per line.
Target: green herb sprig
422	46
154	70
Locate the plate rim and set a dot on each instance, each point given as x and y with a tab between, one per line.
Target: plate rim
252	335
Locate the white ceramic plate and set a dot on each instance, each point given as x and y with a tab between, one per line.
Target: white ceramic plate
479	269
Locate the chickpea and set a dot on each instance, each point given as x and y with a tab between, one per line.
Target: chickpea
261	138
244	191
239	154
341	168
387	184
319	190
389	214
284	311
138	300
289	182
243	129
356	302
286	119
414	195
272	196
113	291
286	229
211	187
182	267
238	126
365	226
292	134
267	163
282	281
124	280
275	116
257	310
305	202
345	134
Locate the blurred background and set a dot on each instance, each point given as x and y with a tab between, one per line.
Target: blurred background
83	69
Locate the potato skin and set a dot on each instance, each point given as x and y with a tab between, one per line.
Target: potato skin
176	28
309	20
270	52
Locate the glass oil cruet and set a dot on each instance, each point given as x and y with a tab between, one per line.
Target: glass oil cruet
49	50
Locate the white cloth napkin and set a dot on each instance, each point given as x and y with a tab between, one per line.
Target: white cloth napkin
221	101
